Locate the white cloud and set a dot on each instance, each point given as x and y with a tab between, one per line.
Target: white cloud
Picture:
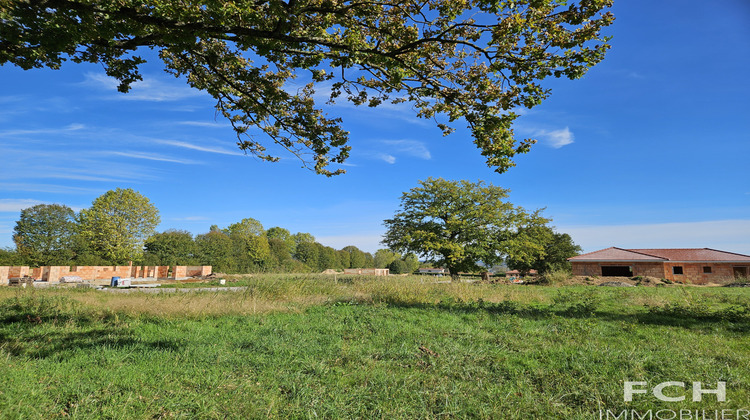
146	90
726	235
556	138
386	157
12	205
409	147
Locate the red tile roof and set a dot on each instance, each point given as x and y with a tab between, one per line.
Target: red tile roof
616	254
695	254
669	254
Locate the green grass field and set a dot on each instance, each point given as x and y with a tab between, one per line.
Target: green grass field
311	347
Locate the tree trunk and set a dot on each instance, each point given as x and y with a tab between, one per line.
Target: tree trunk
454	274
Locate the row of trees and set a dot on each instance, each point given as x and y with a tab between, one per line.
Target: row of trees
459	225
120	227
246	246
111	231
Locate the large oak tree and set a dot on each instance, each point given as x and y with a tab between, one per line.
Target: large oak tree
461	224
475	60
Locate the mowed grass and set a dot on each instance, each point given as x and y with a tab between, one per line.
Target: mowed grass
311	347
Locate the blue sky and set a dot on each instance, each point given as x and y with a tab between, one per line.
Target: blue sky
650	149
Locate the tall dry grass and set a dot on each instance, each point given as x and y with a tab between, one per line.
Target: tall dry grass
290	293
262	294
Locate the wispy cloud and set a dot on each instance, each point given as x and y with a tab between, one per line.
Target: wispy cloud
395	149
215	124
409	147
386	111
12	205
192	146
46	188
59	130
66	163
12	106
146	90
151	156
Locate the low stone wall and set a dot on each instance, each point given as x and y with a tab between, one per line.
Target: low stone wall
98	272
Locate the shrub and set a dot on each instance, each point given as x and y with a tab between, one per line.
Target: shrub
399	266
555	277
577	303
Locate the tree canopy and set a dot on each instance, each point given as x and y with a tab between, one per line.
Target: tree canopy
118	223
45	233
172	247
558	247
472	60
460	224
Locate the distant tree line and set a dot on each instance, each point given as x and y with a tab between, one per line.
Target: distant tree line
459	225
120	227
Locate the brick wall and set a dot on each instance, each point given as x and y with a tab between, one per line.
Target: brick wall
651	269
586	269
198	270
54	273
179	271
693	272
18	271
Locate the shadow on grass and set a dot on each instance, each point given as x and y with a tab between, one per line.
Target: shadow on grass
46	343
733	317
42	327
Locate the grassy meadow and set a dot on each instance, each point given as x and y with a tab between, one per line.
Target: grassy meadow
309	346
